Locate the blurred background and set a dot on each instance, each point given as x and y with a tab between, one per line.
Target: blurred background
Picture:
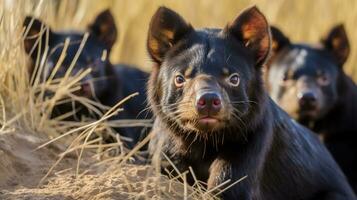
25	114
301	20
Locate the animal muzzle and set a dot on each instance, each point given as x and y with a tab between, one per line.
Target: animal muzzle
208	104
307	100
308	97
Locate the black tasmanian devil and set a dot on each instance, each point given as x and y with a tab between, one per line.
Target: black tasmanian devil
309	83
213	113
106	83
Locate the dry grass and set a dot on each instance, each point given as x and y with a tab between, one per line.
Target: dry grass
302	20
26	114
23	108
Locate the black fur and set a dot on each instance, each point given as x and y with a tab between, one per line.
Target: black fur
109	83
334	115
250	136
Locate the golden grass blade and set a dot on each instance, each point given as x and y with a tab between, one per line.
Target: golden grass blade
75	130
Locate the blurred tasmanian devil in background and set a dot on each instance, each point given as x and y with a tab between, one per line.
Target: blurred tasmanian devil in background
213	114
105	83
309	83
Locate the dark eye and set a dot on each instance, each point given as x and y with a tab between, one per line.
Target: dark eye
285	79
323	79
234	80
179	81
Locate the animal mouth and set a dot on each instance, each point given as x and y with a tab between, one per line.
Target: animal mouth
308	107
208	123
308	113
208	120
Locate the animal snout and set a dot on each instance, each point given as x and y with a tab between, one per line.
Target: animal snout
208	103
307	99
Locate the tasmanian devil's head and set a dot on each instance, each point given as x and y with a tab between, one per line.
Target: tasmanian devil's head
303	79
208	79
77	56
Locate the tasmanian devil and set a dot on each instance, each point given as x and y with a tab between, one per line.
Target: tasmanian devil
213	113
106	83
309	83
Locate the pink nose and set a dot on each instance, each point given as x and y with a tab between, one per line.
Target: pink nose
208	103
307	99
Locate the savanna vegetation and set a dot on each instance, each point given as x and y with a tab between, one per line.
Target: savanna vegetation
47	158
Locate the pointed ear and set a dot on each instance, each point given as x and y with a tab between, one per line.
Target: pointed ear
337	43
279	40
252	29
104	28
166	29
35	28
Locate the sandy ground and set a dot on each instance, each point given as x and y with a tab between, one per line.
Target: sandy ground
20	165
21	170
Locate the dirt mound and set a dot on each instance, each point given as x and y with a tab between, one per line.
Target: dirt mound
22	168
20	165
127	183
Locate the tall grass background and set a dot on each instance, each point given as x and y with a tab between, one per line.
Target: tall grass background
301	20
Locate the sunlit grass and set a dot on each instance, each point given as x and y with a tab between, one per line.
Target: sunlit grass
301	20
25	109
22	108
